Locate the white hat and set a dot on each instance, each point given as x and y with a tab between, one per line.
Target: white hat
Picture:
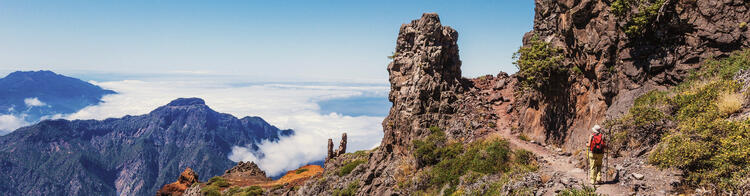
596	128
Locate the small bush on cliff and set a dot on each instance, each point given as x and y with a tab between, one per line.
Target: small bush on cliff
450	161
648	10
350	190
347	168
711	148
537	62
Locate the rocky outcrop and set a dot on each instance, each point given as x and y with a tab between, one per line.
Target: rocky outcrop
246	169
426	90
425	77
616	67
340	151
187	178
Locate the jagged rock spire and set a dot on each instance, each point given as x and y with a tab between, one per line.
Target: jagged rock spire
342	148
425	77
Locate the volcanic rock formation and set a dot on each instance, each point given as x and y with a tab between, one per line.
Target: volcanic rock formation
340	151
616	67
186	179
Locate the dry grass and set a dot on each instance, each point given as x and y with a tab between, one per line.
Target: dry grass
403	175
730	103
523	137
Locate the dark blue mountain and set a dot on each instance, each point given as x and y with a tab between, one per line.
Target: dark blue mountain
60	94
133	155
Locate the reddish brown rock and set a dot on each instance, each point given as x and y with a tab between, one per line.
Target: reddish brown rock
187	178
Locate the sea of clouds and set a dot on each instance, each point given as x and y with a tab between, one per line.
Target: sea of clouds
287	106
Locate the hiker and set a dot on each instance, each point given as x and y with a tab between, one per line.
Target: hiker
596	148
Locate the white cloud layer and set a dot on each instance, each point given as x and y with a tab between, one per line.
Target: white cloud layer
33	102
286	106
9	123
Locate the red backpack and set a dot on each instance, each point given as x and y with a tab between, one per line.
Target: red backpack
597	143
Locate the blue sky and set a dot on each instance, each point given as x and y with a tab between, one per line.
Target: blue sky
251	40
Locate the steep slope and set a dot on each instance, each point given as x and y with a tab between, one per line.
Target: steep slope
621	49
133	155
55	93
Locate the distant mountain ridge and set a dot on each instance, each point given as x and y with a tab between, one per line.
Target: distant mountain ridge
133	155
34	94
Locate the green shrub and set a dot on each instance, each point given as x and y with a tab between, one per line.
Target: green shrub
427	151
537	62
210	191
723	68
347	168
299	171
350	190
709	147
648	10
620	7
450	161
252	191
523	137
218	181
247	191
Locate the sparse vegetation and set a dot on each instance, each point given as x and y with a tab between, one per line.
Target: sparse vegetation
449	161
523	137
648	10
350	190
247	191
711	148
393	55
729	103
210	191
218	181
347	168
299	171
537	62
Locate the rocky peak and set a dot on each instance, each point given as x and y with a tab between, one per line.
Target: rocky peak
187	102
247	169
425	76
188	176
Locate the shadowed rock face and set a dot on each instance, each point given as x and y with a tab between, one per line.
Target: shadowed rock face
133	155
617	67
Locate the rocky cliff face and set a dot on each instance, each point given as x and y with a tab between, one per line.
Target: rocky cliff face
617	65
425	78
133	155
426	90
